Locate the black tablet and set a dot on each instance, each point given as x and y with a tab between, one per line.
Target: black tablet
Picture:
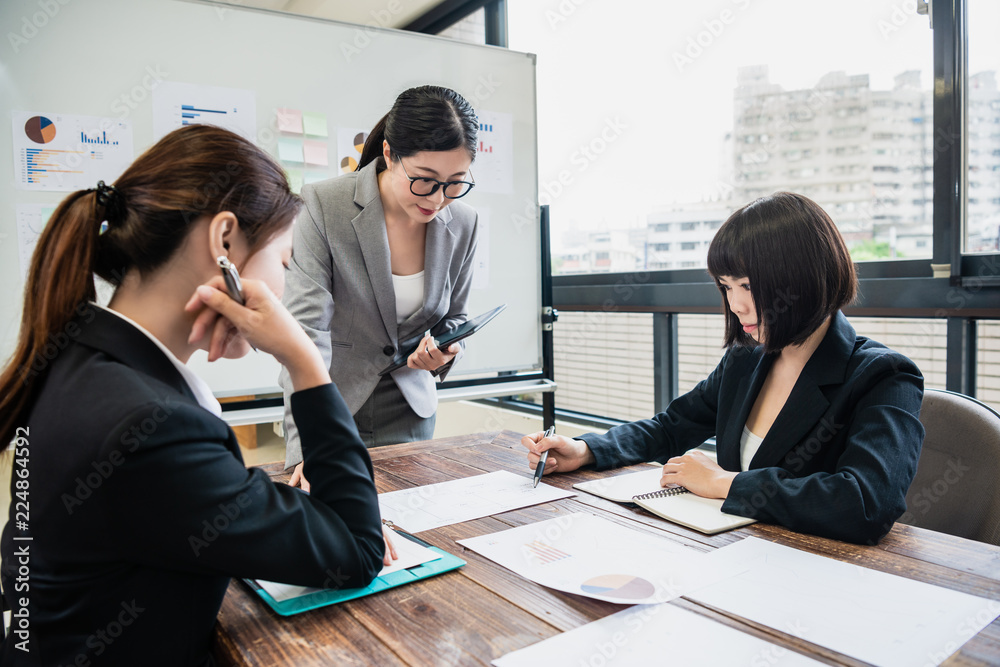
465	330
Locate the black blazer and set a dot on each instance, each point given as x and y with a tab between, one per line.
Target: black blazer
141	508
837	461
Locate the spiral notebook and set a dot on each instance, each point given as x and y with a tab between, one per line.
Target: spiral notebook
675	504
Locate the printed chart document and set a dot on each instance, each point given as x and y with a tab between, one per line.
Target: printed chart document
675	504
654	635
435	505
876	617
65	152
587	555
410	555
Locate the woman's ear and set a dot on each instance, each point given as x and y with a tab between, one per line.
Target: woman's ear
225	237
386	153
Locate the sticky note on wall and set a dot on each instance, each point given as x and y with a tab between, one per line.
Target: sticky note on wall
290	120
315	124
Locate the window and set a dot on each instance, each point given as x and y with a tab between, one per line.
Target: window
760	114
982	224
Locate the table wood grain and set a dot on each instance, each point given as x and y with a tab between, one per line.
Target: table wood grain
482	611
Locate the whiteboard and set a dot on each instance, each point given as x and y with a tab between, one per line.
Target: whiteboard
102	58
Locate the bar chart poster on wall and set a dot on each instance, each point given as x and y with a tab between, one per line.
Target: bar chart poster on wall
64	152
494	165
179	104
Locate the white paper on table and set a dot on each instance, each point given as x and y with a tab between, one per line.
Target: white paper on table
587	555
876	617
410	555
654	635
493	168
68	152
178	104
435	505
481	262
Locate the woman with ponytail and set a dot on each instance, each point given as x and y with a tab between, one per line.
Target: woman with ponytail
140	506
383	255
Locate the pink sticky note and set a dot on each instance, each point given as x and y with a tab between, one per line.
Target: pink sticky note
316	152
290	120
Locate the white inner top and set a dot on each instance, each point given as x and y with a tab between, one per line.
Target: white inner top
749	444
409	294
202	392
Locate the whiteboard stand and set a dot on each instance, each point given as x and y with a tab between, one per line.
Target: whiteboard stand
263	410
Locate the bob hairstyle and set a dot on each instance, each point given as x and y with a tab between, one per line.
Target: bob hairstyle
796	261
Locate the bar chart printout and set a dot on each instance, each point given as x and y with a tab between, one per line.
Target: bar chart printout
64	152
180	104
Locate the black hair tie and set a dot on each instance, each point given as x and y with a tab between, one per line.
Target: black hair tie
110	198
105	193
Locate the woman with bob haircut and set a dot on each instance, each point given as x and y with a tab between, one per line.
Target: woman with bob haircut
141	506
816	428
383	261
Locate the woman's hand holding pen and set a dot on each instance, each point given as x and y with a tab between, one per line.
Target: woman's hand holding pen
698	474
429	357
565	454
220	322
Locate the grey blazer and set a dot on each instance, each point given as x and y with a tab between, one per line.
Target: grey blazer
339	287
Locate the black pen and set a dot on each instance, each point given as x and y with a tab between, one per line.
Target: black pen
540	468
233	283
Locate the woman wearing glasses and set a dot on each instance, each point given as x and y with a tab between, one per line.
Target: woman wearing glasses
383	260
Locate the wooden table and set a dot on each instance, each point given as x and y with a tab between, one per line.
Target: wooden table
482	611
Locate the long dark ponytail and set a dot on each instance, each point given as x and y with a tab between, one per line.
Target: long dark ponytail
426	118
191	172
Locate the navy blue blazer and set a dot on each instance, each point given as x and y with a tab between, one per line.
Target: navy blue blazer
141	508
837	461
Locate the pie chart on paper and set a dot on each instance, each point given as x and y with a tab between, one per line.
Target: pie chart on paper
621	586
40	129
359	141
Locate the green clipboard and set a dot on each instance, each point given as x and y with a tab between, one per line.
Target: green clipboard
325	597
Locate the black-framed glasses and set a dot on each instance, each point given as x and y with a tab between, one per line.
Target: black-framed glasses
424	187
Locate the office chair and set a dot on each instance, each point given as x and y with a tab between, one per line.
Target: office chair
955	488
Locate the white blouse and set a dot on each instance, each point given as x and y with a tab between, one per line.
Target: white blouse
749	444
409	294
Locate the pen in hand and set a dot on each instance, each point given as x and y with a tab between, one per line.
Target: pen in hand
233	284
540	468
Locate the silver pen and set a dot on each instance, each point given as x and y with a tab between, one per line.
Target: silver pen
233	283
540	468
